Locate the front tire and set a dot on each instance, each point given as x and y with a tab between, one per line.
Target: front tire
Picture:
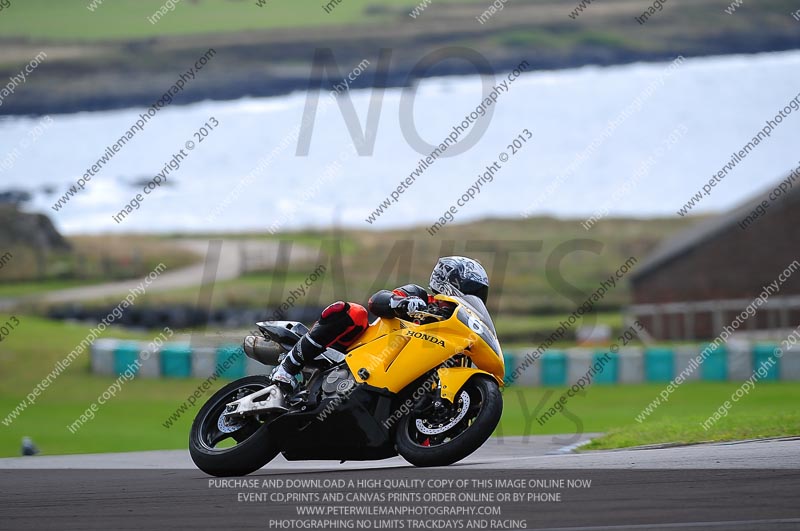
427	442
210	437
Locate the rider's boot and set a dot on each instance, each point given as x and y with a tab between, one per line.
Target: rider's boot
340	324
285	374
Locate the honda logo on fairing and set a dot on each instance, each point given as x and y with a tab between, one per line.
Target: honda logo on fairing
426	337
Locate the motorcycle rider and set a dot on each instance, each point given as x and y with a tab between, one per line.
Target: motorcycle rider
342	323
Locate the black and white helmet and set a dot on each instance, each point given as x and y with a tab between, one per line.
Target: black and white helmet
458	275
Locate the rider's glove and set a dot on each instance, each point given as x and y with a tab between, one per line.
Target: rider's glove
412	304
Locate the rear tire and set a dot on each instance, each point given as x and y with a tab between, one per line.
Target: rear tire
484	411
255	446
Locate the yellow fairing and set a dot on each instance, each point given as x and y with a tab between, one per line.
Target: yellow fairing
453	379
391	354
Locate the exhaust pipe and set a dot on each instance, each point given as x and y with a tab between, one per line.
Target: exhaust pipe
263	350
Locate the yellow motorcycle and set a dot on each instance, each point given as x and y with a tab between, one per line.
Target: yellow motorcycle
428	390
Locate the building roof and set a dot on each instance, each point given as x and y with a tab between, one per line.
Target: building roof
695	236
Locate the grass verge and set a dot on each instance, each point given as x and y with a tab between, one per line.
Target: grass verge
134	419
612	409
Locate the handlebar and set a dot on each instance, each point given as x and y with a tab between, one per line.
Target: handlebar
420	315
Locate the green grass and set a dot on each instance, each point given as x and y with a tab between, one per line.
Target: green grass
126	19
118	20
133	420
21	289
767	411
556	38
755	421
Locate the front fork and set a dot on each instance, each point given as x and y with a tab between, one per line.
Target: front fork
448	381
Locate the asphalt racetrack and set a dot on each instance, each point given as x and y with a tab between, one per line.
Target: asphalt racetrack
518	483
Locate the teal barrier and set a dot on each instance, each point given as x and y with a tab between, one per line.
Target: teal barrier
609	369
761	355
659	365
176	361
125	355
510	361
231	362
554	368
715	366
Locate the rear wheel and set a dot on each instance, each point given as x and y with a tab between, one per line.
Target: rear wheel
443	436
223	447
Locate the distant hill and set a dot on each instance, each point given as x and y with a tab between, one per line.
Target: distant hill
23	229
112	57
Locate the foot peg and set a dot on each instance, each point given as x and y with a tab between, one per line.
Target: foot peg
298	398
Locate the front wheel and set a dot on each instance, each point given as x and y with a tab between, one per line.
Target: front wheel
446	435
222	447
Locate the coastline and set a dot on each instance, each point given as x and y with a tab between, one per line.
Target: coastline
236	74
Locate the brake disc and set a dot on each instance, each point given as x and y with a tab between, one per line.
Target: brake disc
226	426
428	429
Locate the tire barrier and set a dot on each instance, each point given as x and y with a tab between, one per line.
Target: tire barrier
181	317
556	368
111	357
